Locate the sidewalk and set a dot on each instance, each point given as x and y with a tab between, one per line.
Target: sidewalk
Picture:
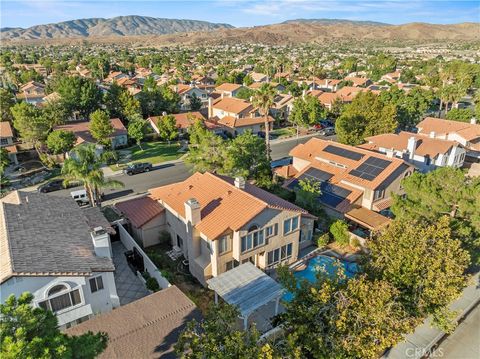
423	341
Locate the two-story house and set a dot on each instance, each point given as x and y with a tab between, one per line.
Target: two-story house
7	142
465	133
58	252
219	222
32	92
228	89
425	153
236	115
350	178
187	92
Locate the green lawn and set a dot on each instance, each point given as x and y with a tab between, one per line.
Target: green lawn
153	152
284	132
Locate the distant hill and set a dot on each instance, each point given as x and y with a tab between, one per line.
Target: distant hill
148	31
118	26
335	21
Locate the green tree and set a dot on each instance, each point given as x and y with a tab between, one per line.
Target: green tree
306	112
245	93
307	195
263	100
30	124
424	262
6	103
206	151
136	129
445	191
366	116
130	106
85	166
195	103
460	114
4	159
78	94
245	156
339	231
60	141
29	332
112	100
101	127
167	128
338	318
217	336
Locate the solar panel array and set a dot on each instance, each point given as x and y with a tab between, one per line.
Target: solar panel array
331	194
339	151
370	169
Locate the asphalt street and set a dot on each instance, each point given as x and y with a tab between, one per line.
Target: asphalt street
170	173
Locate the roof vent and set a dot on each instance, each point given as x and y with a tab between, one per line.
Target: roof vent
240	182
98	231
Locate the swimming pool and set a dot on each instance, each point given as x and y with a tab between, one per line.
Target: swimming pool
328	264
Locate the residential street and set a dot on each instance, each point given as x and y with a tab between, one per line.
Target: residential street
164	174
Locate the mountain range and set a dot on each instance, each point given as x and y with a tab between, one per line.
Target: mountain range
144	30
118	26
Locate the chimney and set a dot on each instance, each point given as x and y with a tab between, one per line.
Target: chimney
240	182
432	134
192	211
251	99
473	121
101	242
411	146
210	111
304	92
175	88
222	94
164	113
390	152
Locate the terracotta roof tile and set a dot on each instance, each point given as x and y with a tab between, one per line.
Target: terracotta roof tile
232	105
228	87
140	210
5	129
223	206
440	126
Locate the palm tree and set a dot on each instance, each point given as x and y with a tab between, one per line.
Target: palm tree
84	165
263	99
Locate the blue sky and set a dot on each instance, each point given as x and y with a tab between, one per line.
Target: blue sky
24	13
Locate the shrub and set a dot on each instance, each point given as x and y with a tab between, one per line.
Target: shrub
323	240
152	284
355	242
339	231
165	237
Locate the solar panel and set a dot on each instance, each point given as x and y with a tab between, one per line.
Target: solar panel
332	195
370	169
316	174
339	151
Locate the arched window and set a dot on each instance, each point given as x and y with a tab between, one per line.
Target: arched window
57	289
252	228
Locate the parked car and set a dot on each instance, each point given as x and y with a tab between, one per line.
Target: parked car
51	186
138	168
327	131
80	197
262	134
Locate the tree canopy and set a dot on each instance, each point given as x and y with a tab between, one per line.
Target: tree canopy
424	262
101	127
60	141
366	116
29	332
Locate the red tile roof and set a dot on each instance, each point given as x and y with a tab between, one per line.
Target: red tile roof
140	210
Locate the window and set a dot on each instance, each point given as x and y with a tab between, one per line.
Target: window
290	225
223	245
249	259
255	238
3	141
96	284
57	289
271	231
231	264
279	254
62	301
378	194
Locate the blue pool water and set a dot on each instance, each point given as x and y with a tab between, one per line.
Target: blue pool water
328	265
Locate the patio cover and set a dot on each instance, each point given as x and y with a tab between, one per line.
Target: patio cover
367	218
246	287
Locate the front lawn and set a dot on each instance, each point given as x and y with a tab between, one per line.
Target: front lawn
284	132
153	152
